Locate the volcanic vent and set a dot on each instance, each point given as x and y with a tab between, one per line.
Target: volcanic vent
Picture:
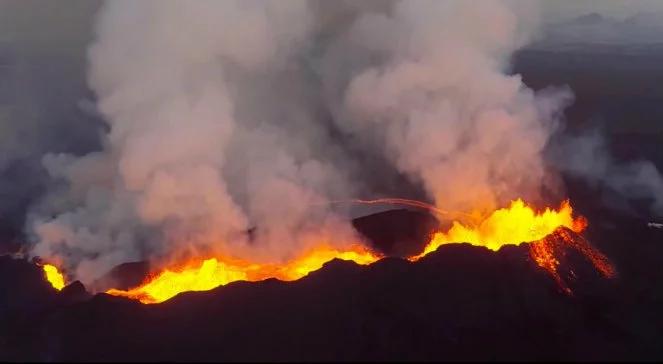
551	235
434	305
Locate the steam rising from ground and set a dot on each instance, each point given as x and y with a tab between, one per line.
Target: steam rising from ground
446	112
184	90
231	123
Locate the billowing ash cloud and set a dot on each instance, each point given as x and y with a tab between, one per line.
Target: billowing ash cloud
438	103
195	95
232	124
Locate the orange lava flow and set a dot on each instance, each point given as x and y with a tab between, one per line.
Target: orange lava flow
53	276
548	251
549	232
215	272
513	225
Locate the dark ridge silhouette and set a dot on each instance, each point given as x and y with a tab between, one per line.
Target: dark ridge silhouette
123	276
591	18
460	302
400	233
440	307
74	292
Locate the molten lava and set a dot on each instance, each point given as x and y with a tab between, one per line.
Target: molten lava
53	276
516	224
549	232
548	251
214	272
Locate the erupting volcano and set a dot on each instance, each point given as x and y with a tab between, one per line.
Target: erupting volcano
547	232
313	180
519	223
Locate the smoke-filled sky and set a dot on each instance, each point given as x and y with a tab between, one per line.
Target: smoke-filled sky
559	10
158	129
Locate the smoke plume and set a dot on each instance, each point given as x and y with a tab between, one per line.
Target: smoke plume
439	104
191	93
233	123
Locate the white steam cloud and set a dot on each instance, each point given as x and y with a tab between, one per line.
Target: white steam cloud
440	105
226	116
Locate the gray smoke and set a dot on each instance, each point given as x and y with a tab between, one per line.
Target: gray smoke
196	95
436	99
233	124
41	80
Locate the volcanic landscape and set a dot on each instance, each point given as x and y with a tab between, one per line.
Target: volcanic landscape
385	181
441	306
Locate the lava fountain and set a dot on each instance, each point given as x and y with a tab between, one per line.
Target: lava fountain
549	233
513	225
53	276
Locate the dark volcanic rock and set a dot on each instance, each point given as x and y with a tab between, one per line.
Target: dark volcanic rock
400	233
123	276
25	299
74	292
460	302
442	307
22	286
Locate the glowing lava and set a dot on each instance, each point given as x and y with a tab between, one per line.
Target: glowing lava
215	272
513	225
53	276
550	234
548	252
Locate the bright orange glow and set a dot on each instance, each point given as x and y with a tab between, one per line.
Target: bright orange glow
549	232
53	276
547	252
516	224
211	273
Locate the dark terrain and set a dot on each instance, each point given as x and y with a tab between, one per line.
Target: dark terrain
461	302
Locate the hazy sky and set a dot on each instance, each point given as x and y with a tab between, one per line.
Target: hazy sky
555	10
67	21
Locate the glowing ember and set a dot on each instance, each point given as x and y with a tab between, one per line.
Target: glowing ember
548	251
53	276
519	223
215	272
